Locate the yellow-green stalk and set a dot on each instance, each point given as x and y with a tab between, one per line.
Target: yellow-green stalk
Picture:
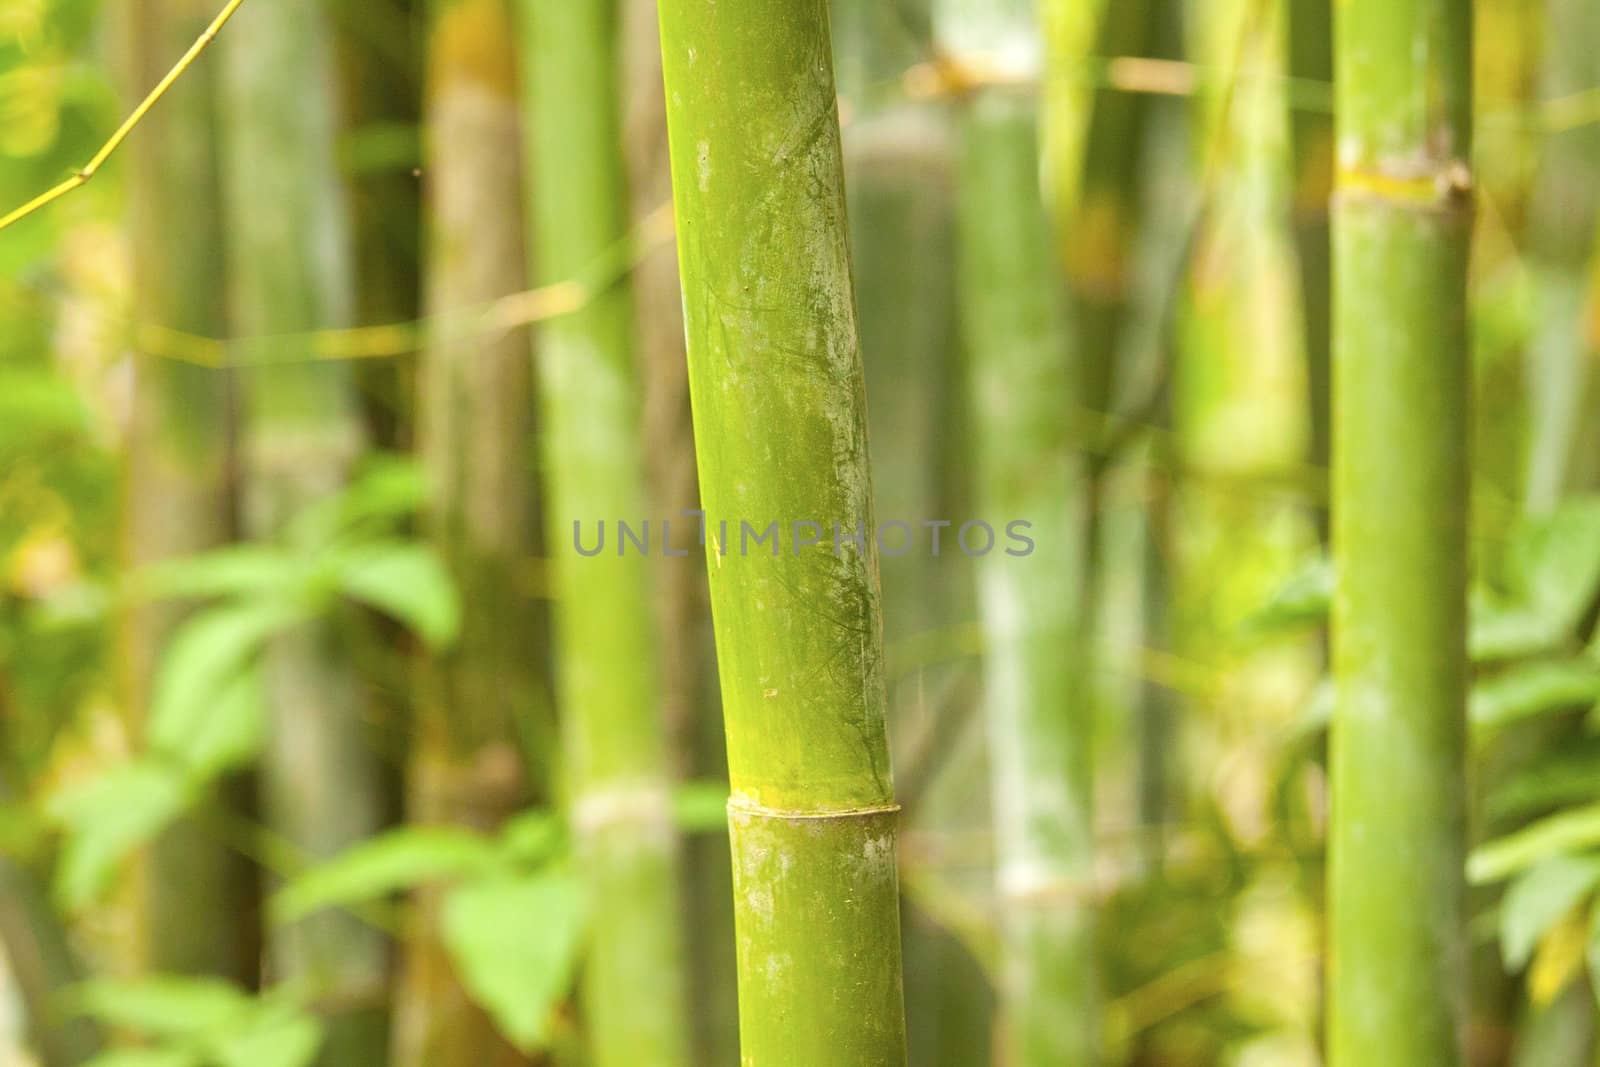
616	772
780	430
1401	230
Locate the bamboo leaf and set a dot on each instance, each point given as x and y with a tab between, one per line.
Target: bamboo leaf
1305	598
534	836
206	656
1555	560
283	1041
1565	832
516	944
1538	899
105	818
1560	956
1500	632
400	859
387	489
228	571
232	734
406	581
1530	689
145	1057
162	1005
1568	776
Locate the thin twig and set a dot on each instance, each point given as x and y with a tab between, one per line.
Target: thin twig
88	171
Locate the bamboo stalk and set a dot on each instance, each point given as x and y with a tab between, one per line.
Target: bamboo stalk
1562	386
616	773
40	959
1034	610
1402	218
482	700
687	660
776	382
176	492
1311	143
289	271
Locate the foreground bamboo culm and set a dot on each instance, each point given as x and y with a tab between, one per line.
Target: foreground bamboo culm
1401	231
776	386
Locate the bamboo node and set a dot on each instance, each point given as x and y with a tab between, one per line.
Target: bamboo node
647	802
1442	186
743	806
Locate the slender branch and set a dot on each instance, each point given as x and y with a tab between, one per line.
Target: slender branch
115	141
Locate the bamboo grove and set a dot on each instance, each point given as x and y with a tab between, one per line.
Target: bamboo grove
799	533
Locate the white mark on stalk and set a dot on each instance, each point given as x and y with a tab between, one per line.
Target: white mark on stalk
769	693
703	165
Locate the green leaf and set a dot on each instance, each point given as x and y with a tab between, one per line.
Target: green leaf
233	733
1529	689
397	860
145	1057
701	806
406	581
208	653
1304	599
1554	561
162	1005
515	943
236	570
107	817
1568	776
388	488
1565	832
1538	899
534	836
1500	632
277	1040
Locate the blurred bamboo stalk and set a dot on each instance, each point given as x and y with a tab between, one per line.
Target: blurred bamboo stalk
482	702
40	960
1311	145
1033	609
1402	225
780	431
1564	386
616	774
289	260
177	494
688	667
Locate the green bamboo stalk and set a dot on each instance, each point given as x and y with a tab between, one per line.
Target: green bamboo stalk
616	770
1402	219
1098	233
380	80
482	700
1034	610
1311	144
687	661
780	429
1563	224
179	460
289	272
